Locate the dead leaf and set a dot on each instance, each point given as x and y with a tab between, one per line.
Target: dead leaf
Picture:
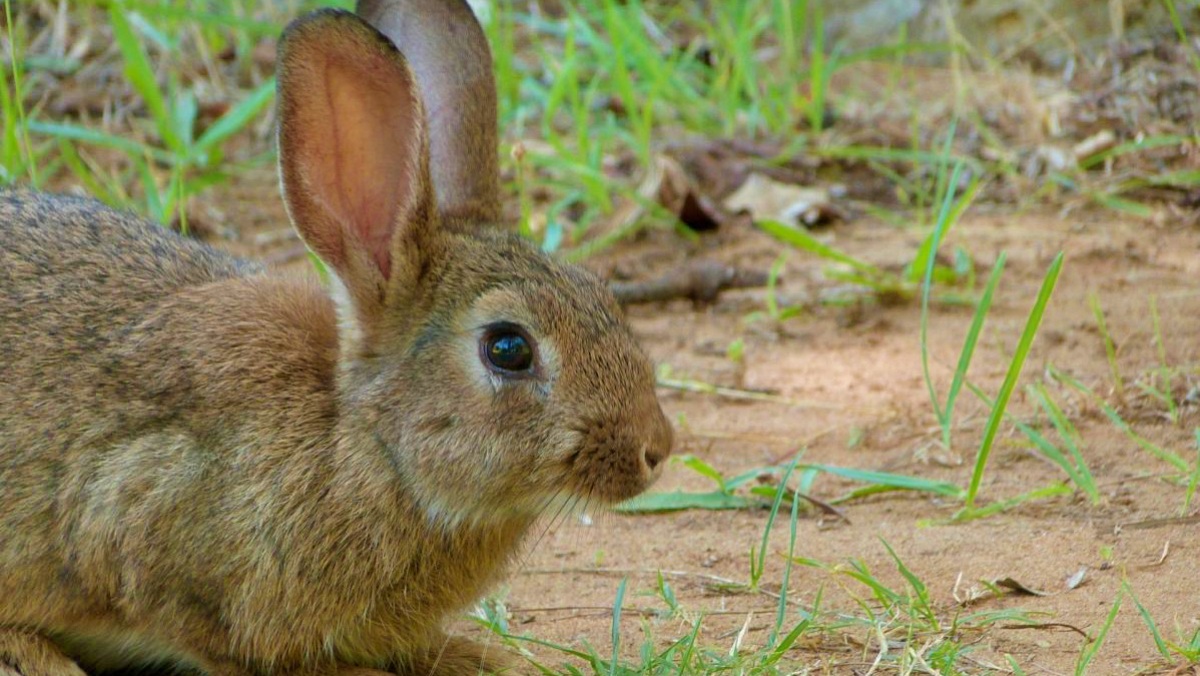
666	183
1078	578
767	199
669	185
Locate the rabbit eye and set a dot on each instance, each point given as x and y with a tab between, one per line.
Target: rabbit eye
507	349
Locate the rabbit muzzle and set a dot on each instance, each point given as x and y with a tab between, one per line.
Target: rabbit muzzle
620	457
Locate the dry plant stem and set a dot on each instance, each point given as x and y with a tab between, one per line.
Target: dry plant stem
644	571
701	281
1048	625
1159	523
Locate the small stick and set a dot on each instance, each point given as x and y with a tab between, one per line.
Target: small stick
701	281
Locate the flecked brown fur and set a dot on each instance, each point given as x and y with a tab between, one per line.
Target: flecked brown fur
207	464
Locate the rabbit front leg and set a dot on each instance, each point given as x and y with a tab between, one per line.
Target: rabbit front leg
328	669
25	653
453	656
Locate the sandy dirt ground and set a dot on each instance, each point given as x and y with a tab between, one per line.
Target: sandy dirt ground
846	389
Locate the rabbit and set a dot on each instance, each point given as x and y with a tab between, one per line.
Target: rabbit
209	467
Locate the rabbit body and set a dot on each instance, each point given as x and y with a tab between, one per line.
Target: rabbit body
175	470
206	464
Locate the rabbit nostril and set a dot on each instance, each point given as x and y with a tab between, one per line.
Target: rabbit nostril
652	457
658	449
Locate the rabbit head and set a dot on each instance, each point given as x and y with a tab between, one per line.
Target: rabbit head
494	379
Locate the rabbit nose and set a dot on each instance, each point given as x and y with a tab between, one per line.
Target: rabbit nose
658	448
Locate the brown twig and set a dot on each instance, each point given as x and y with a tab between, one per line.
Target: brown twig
1048	625
701	281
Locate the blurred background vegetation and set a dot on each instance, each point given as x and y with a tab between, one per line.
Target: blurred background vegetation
149	103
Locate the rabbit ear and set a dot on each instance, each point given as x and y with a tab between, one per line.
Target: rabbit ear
353	154
449	54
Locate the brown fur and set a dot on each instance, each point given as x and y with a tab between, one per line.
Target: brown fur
207	464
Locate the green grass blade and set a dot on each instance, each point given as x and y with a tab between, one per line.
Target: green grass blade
757	564
77	133
1110	349
891	481
690	642
153	196
1194	480
153	34
1075	467
781	613
1047	449
1159	643
946	189
819	72
924	264
616	626
1146	143
796	632
578	654
141	76
1070	436
651	503
1090	650
84	174
982	308
18	128
1011	377
806	242
859	571
1183	179
920	602
1123	205
918	157
1116	419
183	116
1001	506
1016	668
703	469
1177	24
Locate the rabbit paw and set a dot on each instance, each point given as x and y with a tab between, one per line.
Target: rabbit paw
454	656
23	653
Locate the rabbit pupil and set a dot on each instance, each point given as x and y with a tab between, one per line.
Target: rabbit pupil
508	350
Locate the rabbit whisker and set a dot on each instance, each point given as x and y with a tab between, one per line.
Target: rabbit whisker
563	506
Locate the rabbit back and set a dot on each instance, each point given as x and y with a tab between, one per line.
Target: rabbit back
75	280
120	424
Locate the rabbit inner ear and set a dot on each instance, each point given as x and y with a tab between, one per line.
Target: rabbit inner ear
352	146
